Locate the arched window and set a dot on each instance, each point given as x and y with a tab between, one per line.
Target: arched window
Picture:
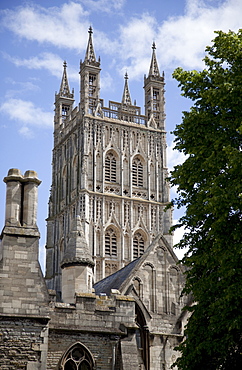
110	167
77	358
110	243
138	245
137	172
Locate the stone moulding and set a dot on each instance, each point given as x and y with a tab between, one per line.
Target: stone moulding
77	261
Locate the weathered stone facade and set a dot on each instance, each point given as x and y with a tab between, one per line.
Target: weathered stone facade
111	297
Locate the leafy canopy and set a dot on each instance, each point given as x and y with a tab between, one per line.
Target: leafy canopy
210	187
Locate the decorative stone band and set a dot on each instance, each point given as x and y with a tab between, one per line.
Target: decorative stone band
77	261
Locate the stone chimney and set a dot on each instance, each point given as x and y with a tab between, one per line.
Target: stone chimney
23	290
21	198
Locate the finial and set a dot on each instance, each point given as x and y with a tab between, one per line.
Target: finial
153	45
90	30
64	64
126	77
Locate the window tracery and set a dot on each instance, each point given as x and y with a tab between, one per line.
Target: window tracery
77	358
137	173
110	243
110	167
138	245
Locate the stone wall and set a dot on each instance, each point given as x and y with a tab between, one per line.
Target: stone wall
23	343
100	345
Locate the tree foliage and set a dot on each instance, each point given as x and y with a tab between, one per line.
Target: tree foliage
210	187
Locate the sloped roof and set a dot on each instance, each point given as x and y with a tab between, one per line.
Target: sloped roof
119	279
115	280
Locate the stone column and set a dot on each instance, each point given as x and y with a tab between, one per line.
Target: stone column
13	197
30	199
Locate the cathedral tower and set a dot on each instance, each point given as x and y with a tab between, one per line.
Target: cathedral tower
109	173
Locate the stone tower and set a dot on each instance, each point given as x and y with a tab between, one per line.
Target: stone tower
109	170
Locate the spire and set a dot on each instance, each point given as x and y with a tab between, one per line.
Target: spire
154	69
64	87
90	55
126	94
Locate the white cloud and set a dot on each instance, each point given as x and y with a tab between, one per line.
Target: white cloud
26	132
22	87
104	5
27	114
187	36
173	156
61	26
135	40
49	61
180	40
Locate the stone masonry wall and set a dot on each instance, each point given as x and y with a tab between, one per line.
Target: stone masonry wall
94	322
21	342
100	345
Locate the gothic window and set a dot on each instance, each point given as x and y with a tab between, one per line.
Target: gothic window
137	172
65	111
110	167
155	94
110	243
138	245
77	358
92	80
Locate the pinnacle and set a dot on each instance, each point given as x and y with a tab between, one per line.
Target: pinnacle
126	94
154	69
64	87
90	55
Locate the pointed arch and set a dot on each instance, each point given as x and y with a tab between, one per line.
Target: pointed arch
174	285
111	167
77	357
150	286
138	286
74	172
137	172
110	242
142	336
138	244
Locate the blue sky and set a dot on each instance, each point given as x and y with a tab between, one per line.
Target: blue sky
37	36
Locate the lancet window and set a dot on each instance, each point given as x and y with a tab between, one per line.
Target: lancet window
138	245
110	167
137	172
110	243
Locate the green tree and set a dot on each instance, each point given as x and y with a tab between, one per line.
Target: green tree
209	185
